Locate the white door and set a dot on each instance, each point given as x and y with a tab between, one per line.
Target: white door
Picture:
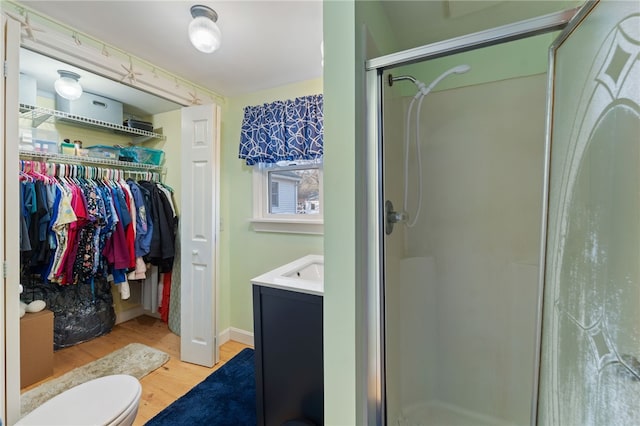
9	217
199	234
590	366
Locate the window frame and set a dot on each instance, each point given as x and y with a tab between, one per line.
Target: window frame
264	221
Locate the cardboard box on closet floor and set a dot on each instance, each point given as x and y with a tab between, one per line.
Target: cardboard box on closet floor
36	347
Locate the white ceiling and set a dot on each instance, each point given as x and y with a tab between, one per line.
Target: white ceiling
265	43
268	43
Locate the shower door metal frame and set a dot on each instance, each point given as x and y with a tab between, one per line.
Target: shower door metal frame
371	263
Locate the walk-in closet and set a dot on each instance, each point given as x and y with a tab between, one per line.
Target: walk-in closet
98	221
94	202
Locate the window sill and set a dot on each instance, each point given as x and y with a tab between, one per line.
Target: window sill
315	227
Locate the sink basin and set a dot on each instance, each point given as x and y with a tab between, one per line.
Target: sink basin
305	275
313	270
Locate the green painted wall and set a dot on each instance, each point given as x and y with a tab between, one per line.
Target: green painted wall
339	180
171	125
489	64
244	253
347	44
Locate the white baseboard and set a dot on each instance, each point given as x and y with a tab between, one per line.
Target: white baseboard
223	336
237	335
129	314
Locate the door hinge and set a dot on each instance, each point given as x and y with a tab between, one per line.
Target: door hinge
4	69
4	269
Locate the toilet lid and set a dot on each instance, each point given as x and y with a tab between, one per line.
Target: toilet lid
96	402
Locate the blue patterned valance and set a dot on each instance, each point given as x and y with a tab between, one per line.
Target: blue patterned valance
283	130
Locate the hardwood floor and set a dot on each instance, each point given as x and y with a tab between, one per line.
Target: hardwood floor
160	387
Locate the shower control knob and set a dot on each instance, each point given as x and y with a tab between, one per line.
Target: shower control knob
393	217
396	217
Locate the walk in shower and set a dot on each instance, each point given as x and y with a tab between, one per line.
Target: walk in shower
467	183
461	267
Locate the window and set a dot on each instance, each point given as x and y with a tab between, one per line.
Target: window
275	200
288	197
283	141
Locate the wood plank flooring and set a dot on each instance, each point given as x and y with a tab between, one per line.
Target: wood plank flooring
160	387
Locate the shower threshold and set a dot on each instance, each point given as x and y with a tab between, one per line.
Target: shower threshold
438	413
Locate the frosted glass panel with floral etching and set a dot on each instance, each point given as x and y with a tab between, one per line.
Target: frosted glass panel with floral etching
590	366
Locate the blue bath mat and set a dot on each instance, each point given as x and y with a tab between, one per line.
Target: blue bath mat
226	397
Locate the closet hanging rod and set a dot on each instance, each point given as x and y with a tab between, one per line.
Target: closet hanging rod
84	171
74	159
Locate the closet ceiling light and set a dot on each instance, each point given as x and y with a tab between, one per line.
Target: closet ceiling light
203	31
67	85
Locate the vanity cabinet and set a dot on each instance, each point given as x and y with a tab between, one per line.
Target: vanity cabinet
288	356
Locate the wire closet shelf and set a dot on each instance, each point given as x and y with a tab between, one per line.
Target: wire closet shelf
38	115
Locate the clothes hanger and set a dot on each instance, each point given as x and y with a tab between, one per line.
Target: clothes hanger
170	189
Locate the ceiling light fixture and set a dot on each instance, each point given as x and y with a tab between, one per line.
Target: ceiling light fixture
203	31
67	85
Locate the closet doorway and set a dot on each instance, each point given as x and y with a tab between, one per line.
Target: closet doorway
193	135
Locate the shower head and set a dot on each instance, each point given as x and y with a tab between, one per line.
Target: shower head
460	69
422	88
391	79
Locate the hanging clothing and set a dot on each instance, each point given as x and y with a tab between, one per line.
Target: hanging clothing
116	250
144	222
74	232
73	229
162	246
130	229
166	294
25	244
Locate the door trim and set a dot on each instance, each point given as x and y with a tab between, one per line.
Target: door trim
505	33
11	329
370	245
584	11
371	396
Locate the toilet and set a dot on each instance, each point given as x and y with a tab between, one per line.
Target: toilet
109	400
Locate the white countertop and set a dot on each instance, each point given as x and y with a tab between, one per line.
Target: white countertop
281	278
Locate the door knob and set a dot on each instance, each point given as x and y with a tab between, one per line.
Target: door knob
195	252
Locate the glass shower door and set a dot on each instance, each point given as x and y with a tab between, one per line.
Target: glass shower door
461	284
590	357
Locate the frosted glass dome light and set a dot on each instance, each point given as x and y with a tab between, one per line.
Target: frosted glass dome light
203	31
67	85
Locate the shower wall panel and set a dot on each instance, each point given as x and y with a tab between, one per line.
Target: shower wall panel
466	323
